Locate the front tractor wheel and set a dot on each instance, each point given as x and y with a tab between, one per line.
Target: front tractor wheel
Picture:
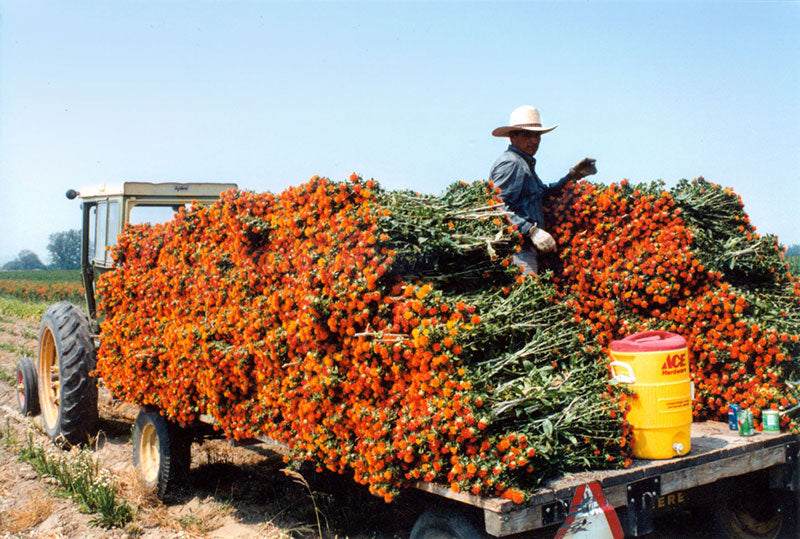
27	394
161	453
67	391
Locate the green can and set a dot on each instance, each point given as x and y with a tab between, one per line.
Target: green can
746	423
771	421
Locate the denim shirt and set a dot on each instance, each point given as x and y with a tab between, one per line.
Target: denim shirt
514	173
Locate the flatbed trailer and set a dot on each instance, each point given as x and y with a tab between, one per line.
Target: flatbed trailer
725	471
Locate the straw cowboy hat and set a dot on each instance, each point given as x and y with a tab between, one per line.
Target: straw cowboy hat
524	118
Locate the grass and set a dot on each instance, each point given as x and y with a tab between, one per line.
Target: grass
24	518
300	480
81	479
45	276
22	309
17	349
794	265
6	377
8	437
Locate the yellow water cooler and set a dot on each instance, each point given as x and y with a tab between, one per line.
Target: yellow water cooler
656	365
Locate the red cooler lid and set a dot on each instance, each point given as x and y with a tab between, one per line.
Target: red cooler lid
649	341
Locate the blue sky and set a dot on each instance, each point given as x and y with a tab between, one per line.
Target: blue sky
267	94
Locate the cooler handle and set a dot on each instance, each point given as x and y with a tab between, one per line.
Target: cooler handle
629	379
649	336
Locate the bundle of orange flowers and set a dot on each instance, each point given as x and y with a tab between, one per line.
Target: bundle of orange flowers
389	335
383	334
686	261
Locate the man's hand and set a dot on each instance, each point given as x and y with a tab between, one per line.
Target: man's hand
584	168
543	241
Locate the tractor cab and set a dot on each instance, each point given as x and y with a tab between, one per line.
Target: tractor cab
107	208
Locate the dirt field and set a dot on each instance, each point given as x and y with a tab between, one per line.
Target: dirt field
236	491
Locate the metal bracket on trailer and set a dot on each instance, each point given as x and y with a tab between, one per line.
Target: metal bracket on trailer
786	476
554	512
791	472
641	501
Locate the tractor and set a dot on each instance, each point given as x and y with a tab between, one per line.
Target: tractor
60	382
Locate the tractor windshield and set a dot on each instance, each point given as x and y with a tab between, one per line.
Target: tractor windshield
142	213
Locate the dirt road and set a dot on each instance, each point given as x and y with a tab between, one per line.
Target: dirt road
236	492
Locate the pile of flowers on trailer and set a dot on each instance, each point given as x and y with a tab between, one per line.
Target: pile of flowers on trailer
687	261
389	335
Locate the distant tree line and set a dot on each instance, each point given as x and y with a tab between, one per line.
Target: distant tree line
793	250
65	253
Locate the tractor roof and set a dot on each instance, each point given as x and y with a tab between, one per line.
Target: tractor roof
167	189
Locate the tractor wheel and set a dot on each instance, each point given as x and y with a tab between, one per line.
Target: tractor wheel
67	391
27	394
161	453
447	523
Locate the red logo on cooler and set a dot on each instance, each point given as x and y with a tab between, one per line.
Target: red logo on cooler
674	364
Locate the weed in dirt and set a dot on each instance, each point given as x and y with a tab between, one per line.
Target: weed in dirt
82	479
134	530
350	509
32	513
6	377
190	521
136	491
114	429
24	333
300	480
8	439
16	349
324	501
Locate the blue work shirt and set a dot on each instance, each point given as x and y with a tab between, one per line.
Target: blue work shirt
514	173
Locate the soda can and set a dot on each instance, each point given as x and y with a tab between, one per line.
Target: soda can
745	423
733	416
771	421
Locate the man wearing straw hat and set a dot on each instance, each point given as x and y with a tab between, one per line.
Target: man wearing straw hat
521	189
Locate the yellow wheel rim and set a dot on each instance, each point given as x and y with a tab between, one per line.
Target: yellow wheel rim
149	456
49	380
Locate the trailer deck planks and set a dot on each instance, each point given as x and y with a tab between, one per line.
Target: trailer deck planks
716	453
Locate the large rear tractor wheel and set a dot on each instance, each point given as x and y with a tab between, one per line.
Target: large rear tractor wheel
27	394
161	453
67	392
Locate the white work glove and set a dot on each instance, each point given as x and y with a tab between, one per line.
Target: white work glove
584	168
543	241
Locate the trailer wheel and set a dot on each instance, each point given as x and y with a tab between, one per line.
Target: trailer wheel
27	394
161	453
67	391
755	513
446	523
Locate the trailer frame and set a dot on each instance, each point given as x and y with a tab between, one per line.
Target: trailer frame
717	453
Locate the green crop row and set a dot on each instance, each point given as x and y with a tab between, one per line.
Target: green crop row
794	265
47	276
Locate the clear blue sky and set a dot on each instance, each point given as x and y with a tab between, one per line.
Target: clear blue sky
267	94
